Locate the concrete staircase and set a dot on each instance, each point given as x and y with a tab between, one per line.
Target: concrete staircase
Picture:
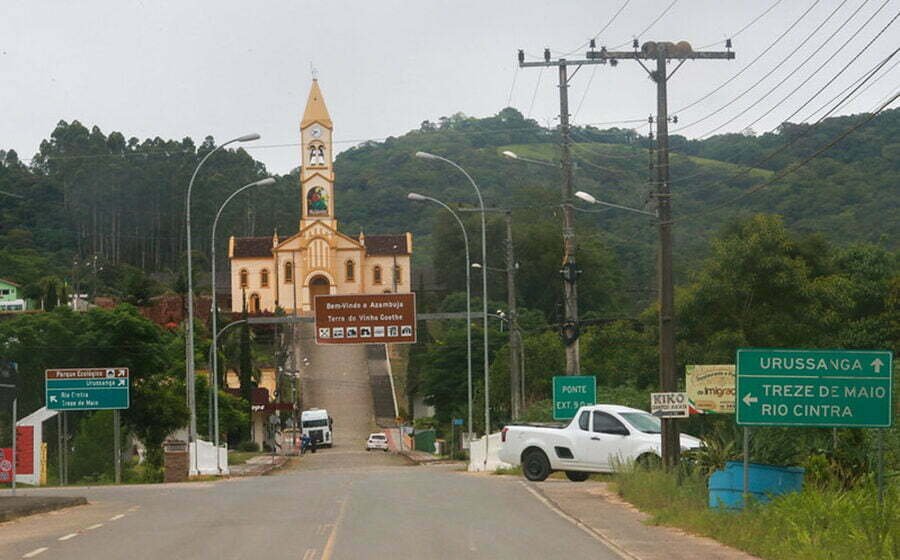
350	381
382	392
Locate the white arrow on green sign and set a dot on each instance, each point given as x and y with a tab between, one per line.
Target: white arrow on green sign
830	388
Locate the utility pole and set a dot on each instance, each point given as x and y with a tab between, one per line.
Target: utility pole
661	53
515	337
516	366
569	269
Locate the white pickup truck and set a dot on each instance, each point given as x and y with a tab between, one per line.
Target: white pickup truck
598	438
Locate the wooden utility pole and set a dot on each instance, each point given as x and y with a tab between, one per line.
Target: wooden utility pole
661	53
515	337
569	270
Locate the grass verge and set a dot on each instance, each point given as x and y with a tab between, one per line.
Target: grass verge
814	524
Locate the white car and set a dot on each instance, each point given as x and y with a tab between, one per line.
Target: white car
598	439
377	441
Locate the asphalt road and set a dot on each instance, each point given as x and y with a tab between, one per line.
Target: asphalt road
341	503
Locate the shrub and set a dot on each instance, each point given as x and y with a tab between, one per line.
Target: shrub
248	446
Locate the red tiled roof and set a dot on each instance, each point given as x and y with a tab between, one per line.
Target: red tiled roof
252	247
385	244
260	395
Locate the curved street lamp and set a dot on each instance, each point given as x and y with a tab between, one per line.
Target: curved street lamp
215	350
189	344
487	385
422	198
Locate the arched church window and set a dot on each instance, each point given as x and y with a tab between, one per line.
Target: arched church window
264	278
313	153
288	273
376	275
321	155
245	276
350	271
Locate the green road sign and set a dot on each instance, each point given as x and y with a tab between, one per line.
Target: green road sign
832	388
87	388
571	392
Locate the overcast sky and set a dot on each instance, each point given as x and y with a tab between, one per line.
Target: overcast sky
225	68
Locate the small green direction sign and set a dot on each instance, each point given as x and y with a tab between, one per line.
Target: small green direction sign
832	388
571	392
87	388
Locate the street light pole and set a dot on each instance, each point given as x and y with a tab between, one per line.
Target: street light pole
484	295
215	349
189	342
419	197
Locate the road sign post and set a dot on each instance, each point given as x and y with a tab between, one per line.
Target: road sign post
571	392
87	389
815	388
366	319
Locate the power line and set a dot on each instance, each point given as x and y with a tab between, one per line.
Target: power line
816	71
649	27
794	167
852	60
767	74
745	28
537	86
597	34
748	65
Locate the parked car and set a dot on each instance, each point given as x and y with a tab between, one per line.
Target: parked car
599	439
377	441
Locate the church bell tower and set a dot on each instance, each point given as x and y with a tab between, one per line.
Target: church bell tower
317	173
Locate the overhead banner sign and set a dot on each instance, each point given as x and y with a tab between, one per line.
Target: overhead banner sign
571	392
87	388
824	388
669	405
711	388
366	319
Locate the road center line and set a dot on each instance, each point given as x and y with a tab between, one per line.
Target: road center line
67	537
94	526
35	552
598	536
329	545
117	517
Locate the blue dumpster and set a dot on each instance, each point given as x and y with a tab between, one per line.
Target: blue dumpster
726	487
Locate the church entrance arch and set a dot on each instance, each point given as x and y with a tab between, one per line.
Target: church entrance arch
318	286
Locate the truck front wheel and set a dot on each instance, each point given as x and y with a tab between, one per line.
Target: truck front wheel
535	465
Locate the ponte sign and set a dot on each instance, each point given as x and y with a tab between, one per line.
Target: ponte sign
815	388
571	392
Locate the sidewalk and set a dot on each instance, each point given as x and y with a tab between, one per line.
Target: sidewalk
418	457
622	526
258	466
12	507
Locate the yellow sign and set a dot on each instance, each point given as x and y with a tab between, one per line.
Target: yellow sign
711	388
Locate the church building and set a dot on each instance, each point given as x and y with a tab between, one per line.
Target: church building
290	272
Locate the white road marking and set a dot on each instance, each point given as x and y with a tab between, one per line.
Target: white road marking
35	552
94	526
612	545
310	554
117	517
67	537
134	508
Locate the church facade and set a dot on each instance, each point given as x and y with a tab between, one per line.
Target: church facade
288	273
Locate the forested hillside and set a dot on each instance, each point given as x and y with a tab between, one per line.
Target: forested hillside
117	204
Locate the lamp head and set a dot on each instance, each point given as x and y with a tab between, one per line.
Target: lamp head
416	196
509	154
585	197
264	182
248	137
425	155
476	265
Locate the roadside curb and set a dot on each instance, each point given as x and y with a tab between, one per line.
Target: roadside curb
578	522
258	469
31	505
